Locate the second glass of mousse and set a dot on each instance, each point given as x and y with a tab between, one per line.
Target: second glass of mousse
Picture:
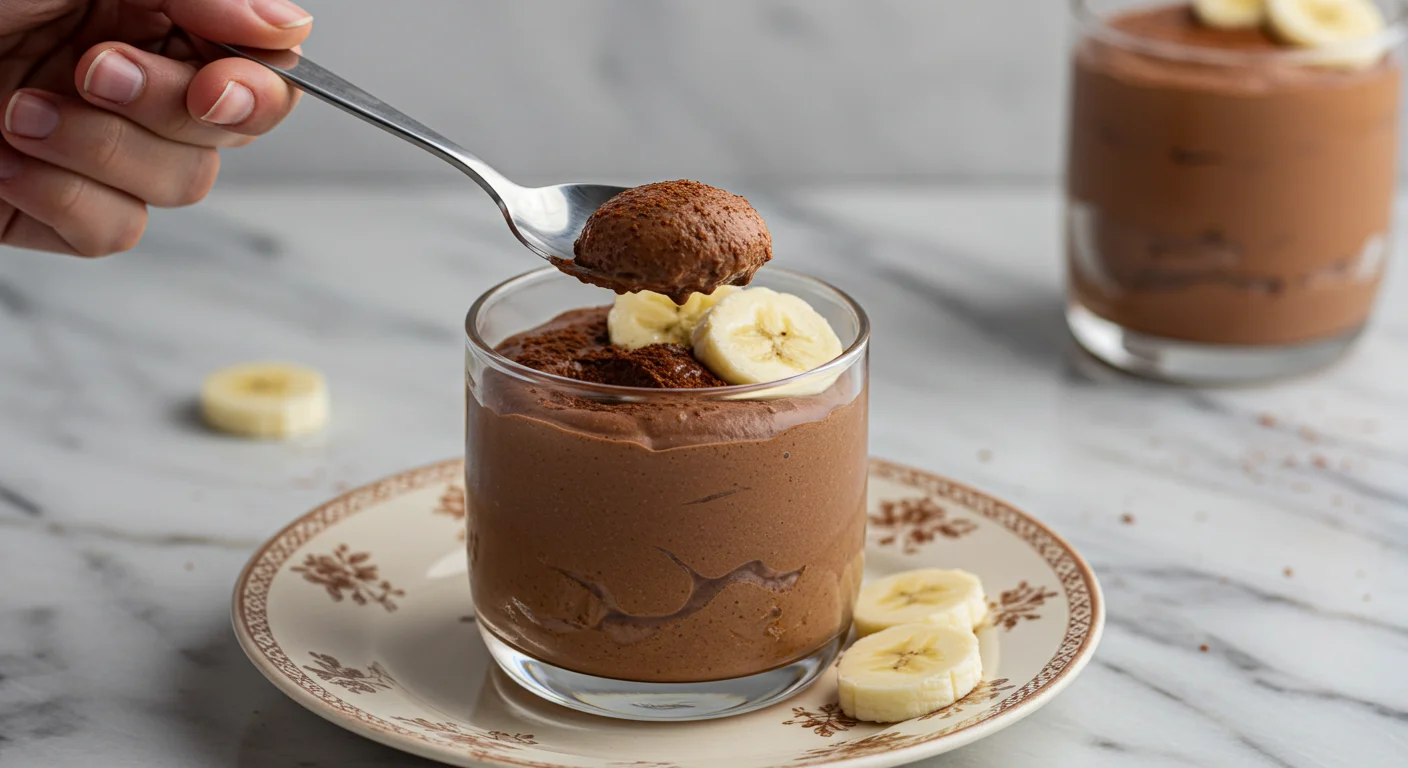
1231	176
649	538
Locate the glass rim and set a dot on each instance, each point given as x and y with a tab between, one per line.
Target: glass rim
1096	24
522	372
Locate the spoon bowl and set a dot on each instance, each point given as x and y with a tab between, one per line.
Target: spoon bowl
549	219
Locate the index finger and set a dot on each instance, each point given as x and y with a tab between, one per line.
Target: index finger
269	24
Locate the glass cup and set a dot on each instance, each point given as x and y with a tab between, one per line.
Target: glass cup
1228	208
662	554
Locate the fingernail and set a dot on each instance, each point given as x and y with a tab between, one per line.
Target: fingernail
10	163
281	13
115	78
234	105
31	117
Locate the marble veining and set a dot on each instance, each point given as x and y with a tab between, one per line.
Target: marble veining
1253	543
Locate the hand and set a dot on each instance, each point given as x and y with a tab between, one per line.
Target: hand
109	108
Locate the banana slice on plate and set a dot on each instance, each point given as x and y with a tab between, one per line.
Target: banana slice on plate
1230	14
271	400
1347	29
908	671
950	598
758	335
645	318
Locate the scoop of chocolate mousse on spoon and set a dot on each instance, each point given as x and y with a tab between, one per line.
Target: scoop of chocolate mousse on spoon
671	237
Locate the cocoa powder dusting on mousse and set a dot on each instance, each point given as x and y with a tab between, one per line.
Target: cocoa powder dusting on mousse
577	344
658	366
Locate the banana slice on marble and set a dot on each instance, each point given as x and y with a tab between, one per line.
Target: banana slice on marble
1348	30
270	400
907	671
1230	14
645	318
758	335
950	598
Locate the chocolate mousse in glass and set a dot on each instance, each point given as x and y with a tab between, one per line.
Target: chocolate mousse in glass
646	541
1229	195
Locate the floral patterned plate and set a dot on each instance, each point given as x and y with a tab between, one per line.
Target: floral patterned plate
360	611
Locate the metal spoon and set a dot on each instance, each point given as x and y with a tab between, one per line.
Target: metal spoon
546	219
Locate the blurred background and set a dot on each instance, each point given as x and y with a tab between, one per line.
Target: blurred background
751	91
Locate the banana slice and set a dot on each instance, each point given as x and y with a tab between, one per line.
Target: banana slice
265	400
926	596
908	671
1230	14
645	318
1347	29
758	335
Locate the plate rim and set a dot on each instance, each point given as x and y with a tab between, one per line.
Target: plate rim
960	734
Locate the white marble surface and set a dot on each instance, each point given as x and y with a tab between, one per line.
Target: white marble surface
123	523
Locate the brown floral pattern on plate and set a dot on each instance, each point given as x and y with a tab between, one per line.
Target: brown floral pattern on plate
350	572
458	734
1017	605
912	523
330	670
870	745
829	721
987	690
452	505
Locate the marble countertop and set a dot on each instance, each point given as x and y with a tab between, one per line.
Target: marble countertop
1252	543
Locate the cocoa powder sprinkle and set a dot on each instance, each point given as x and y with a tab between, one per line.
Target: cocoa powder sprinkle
577	345
659	366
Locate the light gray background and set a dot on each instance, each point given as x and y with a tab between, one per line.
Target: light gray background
775	90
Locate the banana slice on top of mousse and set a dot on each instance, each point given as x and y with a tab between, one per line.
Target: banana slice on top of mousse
758	335
643	318
1230	14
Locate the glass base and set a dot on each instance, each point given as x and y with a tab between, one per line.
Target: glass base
1187	362
659	702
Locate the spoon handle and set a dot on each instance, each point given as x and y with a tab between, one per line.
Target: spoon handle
342	94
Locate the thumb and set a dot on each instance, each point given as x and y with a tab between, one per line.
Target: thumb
270	24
